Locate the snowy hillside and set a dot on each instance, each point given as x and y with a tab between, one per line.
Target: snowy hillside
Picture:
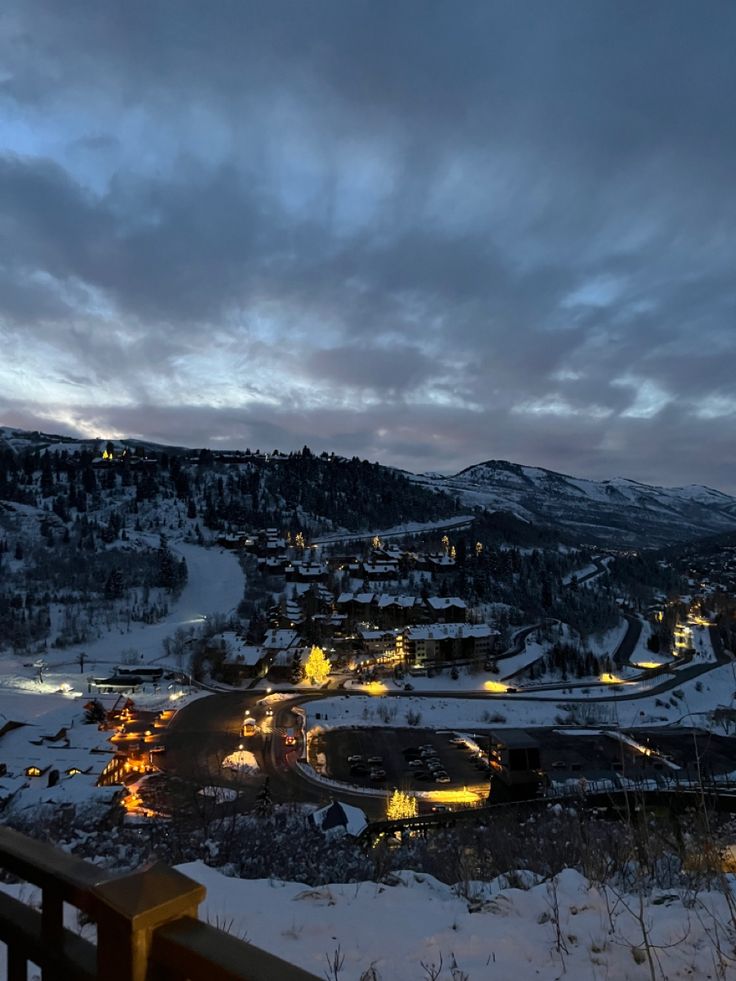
618	511
419	928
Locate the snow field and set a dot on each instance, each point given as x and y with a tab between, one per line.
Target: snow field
499	932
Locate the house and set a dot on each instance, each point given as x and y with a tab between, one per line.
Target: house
446	609
380	570
111	707
356	606
306	572
434	644
339	818
273	565
280	640
57	759
397	611
438	563
378	645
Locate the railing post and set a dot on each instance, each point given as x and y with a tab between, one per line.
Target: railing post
129	909
17	965
52	928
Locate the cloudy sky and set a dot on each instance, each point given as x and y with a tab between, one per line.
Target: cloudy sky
428	233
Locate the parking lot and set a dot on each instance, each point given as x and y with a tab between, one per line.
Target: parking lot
419	759
424	759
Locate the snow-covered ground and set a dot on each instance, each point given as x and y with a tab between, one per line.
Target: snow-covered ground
690	703
565	928
215	585
607	643
702	645
579	574
416	927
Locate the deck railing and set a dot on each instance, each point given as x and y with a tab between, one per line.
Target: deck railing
147	926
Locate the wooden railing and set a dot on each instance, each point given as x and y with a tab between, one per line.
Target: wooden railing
147	926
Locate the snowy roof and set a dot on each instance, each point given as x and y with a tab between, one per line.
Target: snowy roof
377	634
442	631
339	816
280	639
441	560
310	568
55	741
446	602
405	602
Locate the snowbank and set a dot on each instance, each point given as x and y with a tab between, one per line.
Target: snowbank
567	927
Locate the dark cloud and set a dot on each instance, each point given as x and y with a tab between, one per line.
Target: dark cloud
424	233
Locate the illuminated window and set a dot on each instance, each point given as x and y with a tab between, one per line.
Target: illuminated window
73	771
33	771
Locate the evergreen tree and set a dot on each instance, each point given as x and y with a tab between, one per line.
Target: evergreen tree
264	804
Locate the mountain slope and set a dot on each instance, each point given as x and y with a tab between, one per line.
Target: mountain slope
617	511
354	494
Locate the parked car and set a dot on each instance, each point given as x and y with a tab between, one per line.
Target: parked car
360	769
408	687
416	764
378	774
375	759
441	777
355	759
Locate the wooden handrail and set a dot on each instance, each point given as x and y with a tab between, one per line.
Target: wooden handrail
200	952
48	867
147	924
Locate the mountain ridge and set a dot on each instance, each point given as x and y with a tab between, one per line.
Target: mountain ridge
615	511
603	511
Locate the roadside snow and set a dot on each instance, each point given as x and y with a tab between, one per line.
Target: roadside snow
689	702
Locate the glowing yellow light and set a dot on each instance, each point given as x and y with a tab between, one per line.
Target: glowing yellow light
401	805
33	771
467	795
495	686
376	688
611	679
647	665
317	667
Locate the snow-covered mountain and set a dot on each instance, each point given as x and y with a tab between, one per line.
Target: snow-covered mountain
611	511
